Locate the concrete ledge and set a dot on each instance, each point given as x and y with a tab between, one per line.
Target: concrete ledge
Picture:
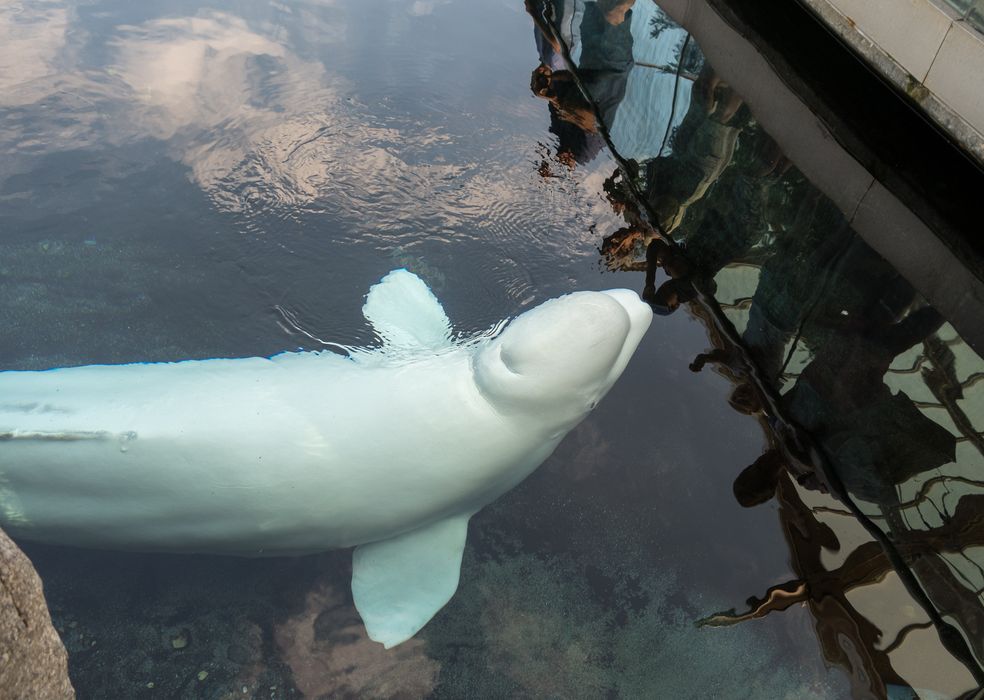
957	73
925	51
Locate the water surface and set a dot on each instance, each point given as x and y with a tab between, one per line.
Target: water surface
188	181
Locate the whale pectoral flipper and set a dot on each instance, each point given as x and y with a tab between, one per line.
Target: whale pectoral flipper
405	313
399	584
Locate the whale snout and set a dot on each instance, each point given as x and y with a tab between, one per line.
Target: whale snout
565	354
640	316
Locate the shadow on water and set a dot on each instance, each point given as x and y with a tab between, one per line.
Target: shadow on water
865	376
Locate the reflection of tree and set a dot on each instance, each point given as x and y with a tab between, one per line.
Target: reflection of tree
659	23
688	61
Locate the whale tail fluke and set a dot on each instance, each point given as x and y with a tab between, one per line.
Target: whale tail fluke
399	584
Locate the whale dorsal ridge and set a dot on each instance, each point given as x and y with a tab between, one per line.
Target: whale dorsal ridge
399	584
405	313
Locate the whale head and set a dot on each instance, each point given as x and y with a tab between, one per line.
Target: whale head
560	358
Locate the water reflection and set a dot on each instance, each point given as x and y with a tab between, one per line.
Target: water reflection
285	118
867	395
229	208
299	150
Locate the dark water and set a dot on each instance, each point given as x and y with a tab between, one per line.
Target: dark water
185	180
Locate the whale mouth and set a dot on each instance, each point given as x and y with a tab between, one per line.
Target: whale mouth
640	316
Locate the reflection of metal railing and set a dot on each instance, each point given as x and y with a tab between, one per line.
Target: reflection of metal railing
971	11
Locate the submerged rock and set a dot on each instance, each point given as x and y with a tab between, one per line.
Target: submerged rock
180	640
33	662
330	655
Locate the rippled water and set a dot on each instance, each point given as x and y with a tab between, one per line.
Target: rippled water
227	180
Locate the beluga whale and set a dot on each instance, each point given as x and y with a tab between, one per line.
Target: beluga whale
389	449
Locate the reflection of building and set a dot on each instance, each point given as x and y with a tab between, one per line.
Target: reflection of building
856	352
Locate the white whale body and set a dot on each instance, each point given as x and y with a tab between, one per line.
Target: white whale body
391	450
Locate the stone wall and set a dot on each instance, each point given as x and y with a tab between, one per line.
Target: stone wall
33	661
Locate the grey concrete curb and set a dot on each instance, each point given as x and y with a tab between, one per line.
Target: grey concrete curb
959	128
